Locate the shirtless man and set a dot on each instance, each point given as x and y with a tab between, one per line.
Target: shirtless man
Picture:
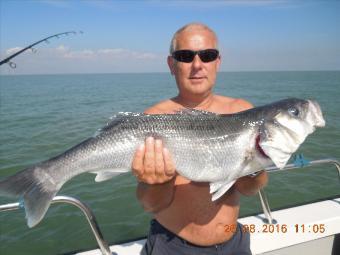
186	221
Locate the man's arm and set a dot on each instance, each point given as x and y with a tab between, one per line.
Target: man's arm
155	171
249	186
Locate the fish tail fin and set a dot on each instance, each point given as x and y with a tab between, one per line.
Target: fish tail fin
35	187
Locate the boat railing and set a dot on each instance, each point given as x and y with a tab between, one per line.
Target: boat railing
299	162
103	245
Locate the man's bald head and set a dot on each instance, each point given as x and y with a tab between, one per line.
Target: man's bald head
188	28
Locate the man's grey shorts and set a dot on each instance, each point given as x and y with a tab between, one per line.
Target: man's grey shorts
161	241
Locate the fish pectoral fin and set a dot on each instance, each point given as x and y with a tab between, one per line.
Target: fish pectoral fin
217	189
214	186
107	174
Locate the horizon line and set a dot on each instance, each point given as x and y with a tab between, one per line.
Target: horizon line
166	72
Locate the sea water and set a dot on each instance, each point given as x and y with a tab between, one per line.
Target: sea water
43	115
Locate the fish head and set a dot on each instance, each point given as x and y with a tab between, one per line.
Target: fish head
290	121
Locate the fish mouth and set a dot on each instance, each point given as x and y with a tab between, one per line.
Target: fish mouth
316	114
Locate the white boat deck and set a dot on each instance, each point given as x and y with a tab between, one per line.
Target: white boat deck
308	227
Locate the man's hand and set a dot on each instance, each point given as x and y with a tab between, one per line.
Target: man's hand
152	163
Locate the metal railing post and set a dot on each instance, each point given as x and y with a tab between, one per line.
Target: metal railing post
103	246
263	198
266	208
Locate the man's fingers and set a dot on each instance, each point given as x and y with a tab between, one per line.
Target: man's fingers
152	163
169	164
138	160
149	157
159	163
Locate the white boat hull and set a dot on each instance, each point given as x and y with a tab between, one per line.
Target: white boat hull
309	228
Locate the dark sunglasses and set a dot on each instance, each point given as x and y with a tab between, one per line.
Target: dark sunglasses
188	56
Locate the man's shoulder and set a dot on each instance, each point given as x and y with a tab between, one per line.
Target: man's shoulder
222	104
232	105
163	107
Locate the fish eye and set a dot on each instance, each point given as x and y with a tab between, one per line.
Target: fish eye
293	111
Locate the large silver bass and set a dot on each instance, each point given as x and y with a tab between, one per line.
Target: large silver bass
206	147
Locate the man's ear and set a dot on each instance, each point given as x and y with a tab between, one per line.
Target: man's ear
171	65
219	60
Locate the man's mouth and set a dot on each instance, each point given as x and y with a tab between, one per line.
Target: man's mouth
196	77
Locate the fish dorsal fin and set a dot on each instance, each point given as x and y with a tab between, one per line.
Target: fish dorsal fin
107	174
117	119
190	111
217	189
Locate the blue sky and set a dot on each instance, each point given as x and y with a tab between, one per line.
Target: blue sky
134	36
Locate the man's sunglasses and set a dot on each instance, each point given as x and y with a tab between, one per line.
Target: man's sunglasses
187	56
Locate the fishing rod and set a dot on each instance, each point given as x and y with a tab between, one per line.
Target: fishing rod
13	65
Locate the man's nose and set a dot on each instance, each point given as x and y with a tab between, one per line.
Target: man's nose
197	62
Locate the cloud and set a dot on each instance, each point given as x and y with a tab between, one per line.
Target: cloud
62	48
116	53
56	3
118	6
63	59
13	50
223	3
105	5
62	51
81	54
125	53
